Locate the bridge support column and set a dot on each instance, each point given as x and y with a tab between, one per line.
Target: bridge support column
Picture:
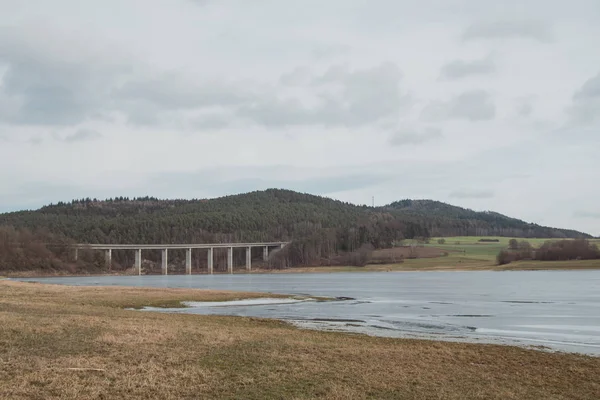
266	253
188	261
248	258
76	254
138	261
165	256
230	260
108	258
210	261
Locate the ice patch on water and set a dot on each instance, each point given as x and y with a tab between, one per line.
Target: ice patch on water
569	328
248	302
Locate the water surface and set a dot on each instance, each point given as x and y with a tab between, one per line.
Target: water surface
556	309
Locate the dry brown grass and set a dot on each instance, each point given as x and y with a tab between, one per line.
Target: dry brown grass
60	342
442	264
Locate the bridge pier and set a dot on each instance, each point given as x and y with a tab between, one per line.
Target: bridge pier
108	258
248	258
210	261
230	260
138	261
188	261
188	247
165	255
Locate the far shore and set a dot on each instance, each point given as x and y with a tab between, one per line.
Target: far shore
416	265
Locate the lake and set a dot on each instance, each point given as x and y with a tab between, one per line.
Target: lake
559	310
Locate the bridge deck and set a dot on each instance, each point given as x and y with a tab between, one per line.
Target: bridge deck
174	246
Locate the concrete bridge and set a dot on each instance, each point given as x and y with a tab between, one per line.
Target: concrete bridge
108	249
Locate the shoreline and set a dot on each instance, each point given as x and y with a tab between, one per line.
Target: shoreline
80	341
408	266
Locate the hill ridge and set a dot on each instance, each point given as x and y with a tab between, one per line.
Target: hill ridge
321	229
226	214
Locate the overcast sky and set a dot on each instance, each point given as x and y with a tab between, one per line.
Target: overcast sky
490	105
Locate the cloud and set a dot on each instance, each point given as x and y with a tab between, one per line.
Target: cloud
172	92
200	2
459	69
530	29
590	89
472	194
585	106
411	137
338	97
300	76
236	179
211	121
586	214
82	135
323	51
475	105
524	110
327	90
45	84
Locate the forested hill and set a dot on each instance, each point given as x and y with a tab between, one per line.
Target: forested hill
267	215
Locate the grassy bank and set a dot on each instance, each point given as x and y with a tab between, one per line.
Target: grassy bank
451	264
464	253
74	342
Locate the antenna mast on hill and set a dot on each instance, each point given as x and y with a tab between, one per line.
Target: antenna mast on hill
373	201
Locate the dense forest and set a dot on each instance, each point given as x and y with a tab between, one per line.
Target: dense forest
319	228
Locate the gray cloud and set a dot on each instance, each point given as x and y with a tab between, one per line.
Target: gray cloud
408	137
476	105
472	194
217	181
42	86
590	89
300	76
586	214
213	121
322	51
510	29
36	140
524	110
83	86
171	92
33	194
585	107
82	135
212	69
343	97
462	69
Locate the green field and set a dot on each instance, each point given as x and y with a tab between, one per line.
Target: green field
471	246
465	252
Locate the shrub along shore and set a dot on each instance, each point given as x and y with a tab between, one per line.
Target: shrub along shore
79	342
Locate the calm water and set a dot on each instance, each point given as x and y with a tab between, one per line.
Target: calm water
556	309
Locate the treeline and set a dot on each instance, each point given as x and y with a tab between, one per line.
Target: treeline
23	250
443	219
320	229
561	250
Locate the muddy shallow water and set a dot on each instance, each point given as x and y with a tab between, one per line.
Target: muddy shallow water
556	309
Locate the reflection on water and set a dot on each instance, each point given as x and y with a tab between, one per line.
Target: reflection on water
556	309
